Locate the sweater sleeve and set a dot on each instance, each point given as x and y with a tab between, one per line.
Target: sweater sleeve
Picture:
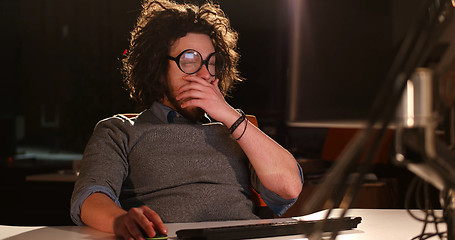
276	203
104	164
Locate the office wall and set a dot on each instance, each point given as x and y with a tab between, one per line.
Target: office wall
61	64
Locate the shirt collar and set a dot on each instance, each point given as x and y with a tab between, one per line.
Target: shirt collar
161	111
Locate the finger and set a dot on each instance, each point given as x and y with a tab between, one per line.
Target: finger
198	99
133	229
121	230
193	103
216	85
127	236
191	94
196	86
124	234
144	222
198	93
194	78
146	226
156	220
193	87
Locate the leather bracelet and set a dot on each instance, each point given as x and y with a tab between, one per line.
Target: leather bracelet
238	122
244	130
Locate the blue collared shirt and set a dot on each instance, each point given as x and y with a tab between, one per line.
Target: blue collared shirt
163	113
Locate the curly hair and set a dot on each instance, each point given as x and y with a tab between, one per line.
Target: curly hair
160	24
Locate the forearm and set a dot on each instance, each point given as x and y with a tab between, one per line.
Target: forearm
275	166
100	212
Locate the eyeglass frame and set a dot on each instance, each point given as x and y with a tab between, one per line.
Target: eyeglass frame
203	61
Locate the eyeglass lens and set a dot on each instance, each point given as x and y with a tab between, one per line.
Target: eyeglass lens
190	62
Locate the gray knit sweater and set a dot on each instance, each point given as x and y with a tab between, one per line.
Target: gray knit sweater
184	172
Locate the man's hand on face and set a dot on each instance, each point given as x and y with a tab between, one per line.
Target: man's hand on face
139	223
204	94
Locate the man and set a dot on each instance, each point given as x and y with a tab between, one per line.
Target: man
170	163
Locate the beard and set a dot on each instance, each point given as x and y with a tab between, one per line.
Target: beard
193	114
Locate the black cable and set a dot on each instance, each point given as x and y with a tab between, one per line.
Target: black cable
416	186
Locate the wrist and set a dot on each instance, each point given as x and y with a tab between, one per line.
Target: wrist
238	121
228	117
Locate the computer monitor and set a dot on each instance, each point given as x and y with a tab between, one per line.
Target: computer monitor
340	53
428	44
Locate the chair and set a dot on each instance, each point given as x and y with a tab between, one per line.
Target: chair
338	138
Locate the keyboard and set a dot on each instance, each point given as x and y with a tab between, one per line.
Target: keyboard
273	229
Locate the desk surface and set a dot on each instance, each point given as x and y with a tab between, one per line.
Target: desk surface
376	224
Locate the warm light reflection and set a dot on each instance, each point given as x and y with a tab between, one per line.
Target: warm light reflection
453	3
410	103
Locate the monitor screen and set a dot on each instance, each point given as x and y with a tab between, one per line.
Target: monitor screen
339	55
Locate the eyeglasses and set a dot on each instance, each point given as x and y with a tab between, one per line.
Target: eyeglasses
190	61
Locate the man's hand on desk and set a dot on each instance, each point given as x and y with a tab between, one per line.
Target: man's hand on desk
139	223
100	212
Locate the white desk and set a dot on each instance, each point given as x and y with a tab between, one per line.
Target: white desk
376	224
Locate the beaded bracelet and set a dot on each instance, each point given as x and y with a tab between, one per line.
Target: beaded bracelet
238	122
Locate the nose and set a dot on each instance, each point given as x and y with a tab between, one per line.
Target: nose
204	73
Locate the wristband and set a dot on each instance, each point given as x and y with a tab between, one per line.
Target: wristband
244	130
238	122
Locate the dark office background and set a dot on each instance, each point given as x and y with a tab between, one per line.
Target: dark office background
60	75
60	72
60	65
